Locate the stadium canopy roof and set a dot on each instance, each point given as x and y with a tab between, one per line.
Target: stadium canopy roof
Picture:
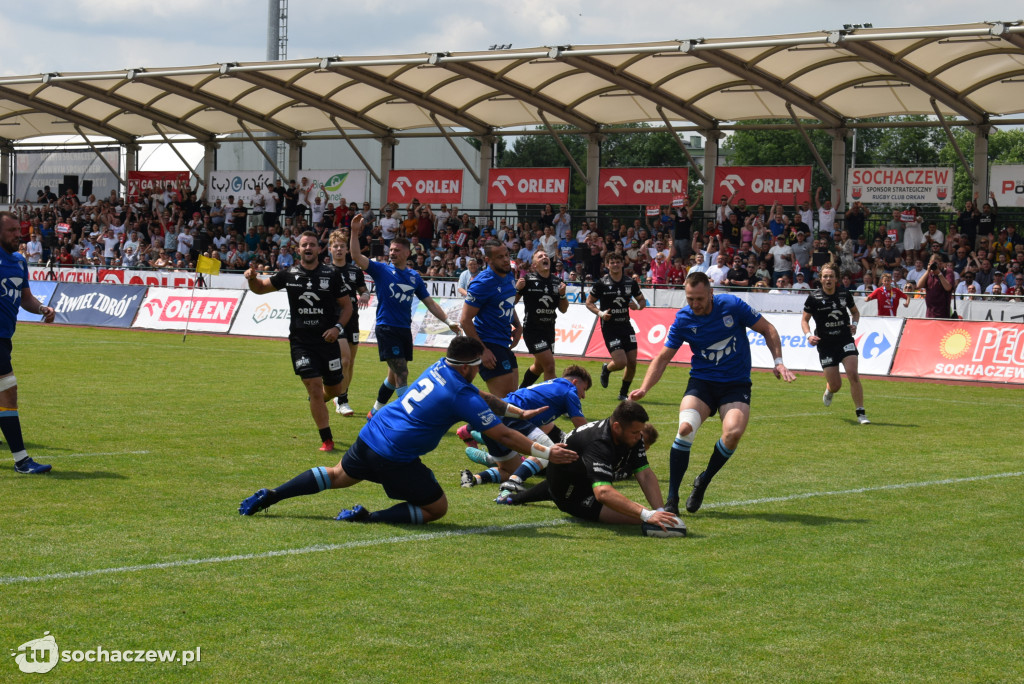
972	72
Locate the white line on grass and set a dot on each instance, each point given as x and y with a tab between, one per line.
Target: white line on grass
100	453
319	548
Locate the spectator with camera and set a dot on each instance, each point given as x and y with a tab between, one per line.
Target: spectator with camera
938	290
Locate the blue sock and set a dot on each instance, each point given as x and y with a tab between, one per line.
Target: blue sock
527	470
310	482
403	513
386	391
10	425
402	390
719	458
490	476
678	462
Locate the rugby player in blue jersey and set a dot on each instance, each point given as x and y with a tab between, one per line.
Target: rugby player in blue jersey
388	449
14	295
395	285
715	327
561	396
489	315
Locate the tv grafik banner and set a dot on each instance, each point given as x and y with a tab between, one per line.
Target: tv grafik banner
34	169
109	306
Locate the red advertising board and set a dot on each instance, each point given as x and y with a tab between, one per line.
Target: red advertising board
764	184
651	326
429	186
528	186
961	350
648	186
142	181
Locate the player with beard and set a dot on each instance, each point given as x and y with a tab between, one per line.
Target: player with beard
834	329
320	306
616	294
489	315
349	340
715	327
543	294
396	284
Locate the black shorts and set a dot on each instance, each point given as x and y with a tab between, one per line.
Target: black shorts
402	480
575	496
312	359
832	352
5	356
539	339
716	394
394	343
618	336
505	362
351	334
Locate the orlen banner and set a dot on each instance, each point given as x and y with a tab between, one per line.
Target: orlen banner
893	185
528	186
203	310
764	184
156	181
429	186
961	350
110	306
1008	185
645	186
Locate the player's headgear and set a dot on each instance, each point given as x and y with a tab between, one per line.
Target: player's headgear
464	351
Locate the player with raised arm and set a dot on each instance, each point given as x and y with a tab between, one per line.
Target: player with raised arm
348	342
834	329
388	449
610	300
543	296
715	327
396	284
320	306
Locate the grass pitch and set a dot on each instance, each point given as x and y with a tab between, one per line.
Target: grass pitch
826	551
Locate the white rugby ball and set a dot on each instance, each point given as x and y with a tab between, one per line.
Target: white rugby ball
652	530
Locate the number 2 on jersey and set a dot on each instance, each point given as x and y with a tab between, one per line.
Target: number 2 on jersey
417	393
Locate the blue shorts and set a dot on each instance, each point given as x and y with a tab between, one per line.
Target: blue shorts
394	343
716	394
523	427
505	362
402	480
5	356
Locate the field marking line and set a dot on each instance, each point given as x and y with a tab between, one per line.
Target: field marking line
99	453
320	548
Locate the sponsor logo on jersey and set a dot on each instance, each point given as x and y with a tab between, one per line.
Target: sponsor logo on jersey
401	293
720	350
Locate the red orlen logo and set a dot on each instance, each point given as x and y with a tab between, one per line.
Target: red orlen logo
206	309
110	276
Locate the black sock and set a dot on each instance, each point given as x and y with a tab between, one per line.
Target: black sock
529	377
624	392
719	457
309	482
402	513
10	425
539	492
326	435
678	462
385	392
343	398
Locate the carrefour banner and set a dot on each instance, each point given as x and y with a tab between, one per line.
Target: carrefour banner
961	350
894	185
109	306
42	292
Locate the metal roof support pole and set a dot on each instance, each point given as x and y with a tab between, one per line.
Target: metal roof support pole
981	161
593	172
103	159
956	147
209	162
455	148
170	143
810	146
561	146
710	164
359	154
6	154
387	162
486	163
131	157
839	168
682	146
294	159
270	160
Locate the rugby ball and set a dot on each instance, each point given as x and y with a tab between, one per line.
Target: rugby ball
652	530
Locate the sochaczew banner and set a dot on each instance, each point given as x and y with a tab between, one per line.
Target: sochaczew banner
528	186
169	309
645	186
429	186
896	185
155	181
1008	185
764	184
961	350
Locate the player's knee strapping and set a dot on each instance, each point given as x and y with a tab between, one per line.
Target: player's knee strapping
538	436
8	382
692	418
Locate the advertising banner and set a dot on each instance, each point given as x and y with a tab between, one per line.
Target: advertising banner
62	274
335	186
109	306
156	181
429	186
961	350
243	185
43	292
1008	185
572	332
901	185
204	311
646	186
34	169
263	315
528	186
764	184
